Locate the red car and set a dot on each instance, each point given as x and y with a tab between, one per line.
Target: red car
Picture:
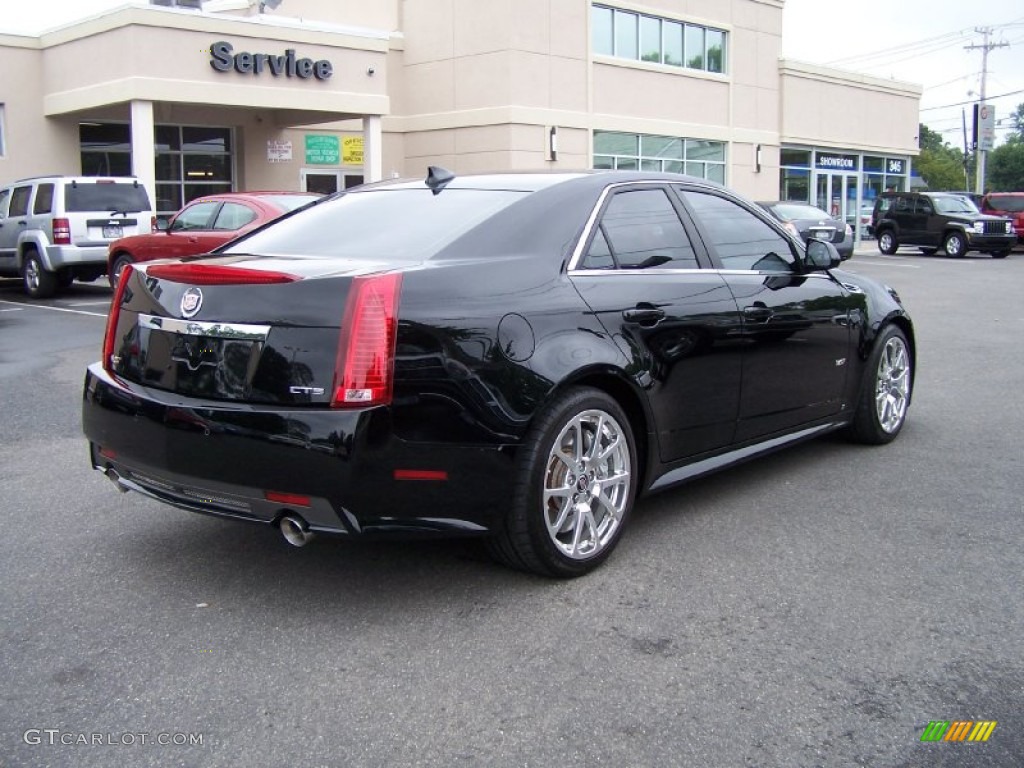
202	225
1008	204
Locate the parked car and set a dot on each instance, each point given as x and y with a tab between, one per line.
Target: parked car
202	225
55	229
867	207
934	220
515	357
807	222
1008	204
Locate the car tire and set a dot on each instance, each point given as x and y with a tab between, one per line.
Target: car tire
887	242
885	390
576	482
1001	254
115	269
954	245
39	283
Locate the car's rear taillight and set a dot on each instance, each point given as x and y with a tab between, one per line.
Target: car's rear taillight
61	232
216	274
365	366
112	316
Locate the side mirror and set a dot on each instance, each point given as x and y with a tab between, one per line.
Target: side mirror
821	256
162	225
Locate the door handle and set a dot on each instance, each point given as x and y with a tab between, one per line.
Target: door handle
644	314
193	239
758	312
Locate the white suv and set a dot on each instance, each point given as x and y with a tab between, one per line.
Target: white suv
55	229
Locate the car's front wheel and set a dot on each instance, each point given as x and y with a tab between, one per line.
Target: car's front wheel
885	390
39	283
954	245
887	242
576	483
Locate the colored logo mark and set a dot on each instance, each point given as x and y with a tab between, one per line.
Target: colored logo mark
958	730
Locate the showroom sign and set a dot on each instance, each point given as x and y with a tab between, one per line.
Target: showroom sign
223	59
837	162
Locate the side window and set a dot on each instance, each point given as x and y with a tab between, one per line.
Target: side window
741	240
195	217
5	195
903	205
924	206
44	199
641	230
19	201
599	256
233	216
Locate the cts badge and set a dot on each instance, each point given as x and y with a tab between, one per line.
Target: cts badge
191	302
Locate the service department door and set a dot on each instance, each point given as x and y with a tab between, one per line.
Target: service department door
329	182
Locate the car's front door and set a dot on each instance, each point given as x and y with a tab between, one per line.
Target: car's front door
188	232
796	324
928	226
672	316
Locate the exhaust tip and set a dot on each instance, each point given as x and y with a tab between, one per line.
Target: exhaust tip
115	478
295	530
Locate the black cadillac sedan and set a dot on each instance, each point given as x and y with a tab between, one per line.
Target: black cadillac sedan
810	223
516	357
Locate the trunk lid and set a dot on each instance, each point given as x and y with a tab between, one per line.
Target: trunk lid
247	329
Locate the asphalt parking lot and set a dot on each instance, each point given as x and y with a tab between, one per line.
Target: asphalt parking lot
818	607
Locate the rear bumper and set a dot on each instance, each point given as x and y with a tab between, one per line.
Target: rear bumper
222	459
58	256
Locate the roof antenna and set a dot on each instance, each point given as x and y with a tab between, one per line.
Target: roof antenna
438	177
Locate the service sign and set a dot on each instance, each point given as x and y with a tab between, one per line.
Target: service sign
352	150
986	127
279	151
322	150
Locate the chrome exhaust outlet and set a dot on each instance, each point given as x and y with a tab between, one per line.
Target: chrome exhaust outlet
295	530
115	478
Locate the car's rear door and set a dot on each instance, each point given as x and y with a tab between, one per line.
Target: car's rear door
796	325
674	318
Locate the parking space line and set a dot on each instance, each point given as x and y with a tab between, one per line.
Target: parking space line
881	264
105	302
55	309
19	309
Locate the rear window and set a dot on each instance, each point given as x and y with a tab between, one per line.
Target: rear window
1008	203
291	202
376	224
790	211
111	197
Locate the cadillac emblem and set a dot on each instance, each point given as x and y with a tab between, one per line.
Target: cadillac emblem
191	302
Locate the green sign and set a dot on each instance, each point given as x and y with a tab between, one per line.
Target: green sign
322	150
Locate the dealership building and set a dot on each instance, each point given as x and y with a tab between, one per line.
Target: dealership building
199	97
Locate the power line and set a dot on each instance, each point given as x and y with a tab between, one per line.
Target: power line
971	101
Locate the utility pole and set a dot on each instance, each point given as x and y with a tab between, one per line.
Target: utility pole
979	177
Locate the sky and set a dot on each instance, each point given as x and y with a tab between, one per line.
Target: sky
917	41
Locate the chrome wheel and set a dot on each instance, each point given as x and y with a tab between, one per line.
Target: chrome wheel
32	276
892	389
586	484
955	245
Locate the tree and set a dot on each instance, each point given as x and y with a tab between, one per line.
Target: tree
1017	121
940	165
1005	166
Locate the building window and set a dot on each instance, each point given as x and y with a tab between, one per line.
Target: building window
191	161
628	35
795	178
670	154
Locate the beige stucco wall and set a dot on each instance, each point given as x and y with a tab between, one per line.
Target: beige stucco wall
834	108
469	84
33	146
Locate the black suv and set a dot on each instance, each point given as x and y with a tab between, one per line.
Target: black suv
934	220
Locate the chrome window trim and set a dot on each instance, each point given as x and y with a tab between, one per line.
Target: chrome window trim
196	328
